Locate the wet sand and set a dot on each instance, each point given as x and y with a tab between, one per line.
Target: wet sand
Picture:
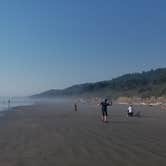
53	134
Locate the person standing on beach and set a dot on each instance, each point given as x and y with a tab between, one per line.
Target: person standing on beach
130	111
9	104
104	109
75	107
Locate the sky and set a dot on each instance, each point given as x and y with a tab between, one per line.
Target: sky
53	44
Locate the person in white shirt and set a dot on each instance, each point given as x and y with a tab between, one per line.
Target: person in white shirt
130	111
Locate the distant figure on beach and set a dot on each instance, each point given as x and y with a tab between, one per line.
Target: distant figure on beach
75	107
130	111
9	104
104	109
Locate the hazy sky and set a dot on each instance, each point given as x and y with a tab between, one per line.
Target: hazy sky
47	44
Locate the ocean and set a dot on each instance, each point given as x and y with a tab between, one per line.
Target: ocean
7	103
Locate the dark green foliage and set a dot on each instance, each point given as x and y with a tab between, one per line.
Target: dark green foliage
145	84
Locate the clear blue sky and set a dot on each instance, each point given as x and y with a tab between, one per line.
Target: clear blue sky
47	44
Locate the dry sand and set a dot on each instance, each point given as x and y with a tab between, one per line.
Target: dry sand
55	135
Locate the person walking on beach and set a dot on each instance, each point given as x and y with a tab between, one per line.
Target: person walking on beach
104	109
130	111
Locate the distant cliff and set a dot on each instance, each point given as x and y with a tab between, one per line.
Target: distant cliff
145	84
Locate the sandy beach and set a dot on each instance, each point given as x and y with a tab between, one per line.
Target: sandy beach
53	134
